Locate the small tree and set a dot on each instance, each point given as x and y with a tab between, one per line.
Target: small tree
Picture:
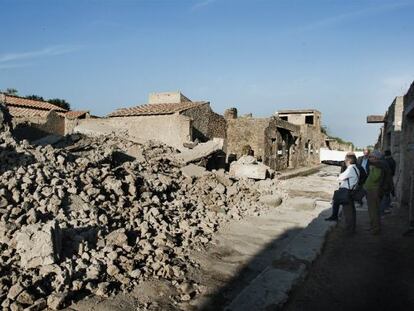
35	97
60	102
11	91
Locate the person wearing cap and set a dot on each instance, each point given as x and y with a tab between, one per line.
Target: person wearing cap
372	187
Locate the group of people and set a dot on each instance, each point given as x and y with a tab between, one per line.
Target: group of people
369	176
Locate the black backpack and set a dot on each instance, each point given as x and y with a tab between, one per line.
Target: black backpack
362	175
357	192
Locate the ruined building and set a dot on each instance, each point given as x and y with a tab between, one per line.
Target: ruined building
169	117
397	135
33	119
291	139
311	138
272	140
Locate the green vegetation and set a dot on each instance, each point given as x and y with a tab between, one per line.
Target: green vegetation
325	130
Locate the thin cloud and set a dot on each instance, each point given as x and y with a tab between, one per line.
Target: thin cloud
201	4
48	51
336	19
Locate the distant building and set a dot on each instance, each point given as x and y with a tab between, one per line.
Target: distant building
33	119
271	140
311	138
169	117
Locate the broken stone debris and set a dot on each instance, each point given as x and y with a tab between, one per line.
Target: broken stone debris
248	167
200	151
87	217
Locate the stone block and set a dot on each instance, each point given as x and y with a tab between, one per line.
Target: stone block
253	171
39	244
192	171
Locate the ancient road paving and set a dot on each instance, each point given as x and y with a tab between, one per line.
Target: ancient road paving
255	262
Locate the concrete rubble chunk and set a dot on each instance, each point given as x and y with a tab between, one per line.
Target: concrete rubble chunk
39	244
193	171
248	167
200	151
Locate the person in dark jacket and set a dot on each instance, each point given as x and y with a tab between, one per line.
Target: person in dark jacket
364	160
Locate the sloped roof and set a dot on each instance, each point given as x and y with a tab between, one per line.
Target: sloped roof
20	112
74	114
155	109
30	103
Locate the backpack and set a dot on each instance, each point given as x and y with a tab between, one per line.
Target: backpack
362	175
356	193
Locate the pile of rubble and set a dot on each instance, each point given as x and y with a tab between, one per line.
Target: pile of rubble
100	215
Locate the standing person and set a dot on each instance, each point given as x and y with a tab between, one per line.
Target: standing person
348	180
364	160
372	188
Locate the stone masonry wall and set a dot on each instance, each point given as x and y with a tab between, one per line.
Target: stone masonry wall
172	130
407	158
206	123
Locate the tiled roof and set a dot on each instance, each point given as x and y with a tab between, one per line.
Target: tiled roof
73	114
30	103
19	112
155	109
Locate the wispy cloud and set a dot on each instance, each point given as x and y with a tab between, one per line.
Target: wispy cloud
336	19
8	60
201	3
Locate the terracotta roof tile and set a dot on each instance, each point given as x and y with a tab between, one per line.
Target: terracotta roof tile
30	103
155	109
22	112
73	114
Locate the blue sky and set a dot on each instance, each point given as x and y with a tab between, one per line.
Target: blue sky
345	58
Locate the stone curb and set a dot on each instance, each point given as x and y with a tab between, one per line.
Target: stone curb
270	289
300	172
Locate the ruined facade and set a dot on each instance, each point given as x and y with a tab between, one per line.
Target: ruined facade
397	135
311	138
33	119
170	118
272	140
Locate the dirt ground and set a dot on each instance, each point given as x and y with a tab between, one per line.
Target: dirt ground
363	272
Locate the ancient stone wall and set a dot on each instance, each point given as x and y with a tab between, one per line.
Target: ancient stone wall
406	184
37	127
206	123
271	140
173	130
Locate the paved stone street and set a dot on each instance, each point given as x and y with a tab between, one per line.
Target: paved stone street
235	269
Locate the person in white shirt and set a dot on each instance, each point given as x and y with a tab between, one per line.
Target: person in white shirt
348	181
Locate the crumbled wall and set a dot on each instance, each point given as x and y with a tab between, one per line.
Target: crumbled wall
173	130
271	139
37	127
206	123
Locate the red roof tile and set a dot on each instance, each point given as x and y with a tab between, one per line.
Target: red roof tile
74	114
155	109
30	103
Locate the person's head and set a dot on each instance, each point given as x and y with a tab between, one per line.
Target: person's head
375	156
350	159
387	153
366	152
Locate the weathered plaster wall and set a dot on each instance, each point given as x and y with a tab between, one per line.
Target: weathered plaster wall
172	130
